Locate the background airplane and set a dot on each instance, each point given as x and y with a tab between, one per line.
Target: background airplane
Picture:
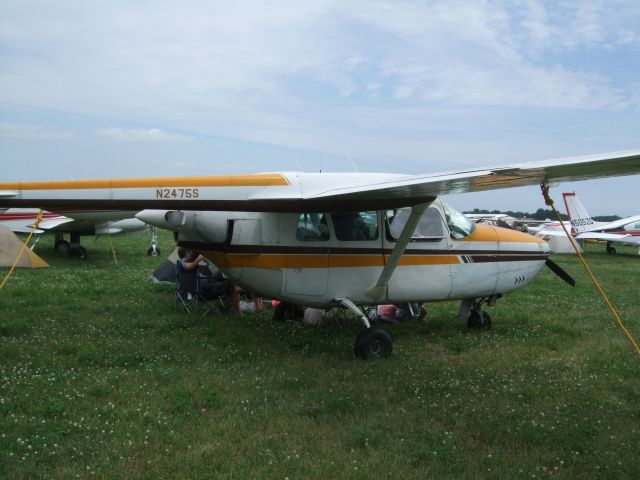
583	227
530	225
74	224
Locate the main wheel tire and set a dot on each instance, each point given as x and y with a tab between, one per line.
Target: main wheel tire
62	246
373	343
611	250
79	252
479	319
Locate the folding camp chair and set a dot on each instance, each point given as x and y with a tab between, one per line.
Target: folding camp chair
190	291
186	288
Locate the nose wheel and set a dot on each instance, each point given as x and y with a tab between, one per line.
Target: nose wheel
479	319
476	317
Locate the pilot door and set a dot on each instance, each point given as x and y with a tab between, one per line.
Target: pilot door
424	270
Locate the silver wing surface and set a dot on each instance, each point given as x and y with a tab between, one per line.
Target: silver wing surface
296	192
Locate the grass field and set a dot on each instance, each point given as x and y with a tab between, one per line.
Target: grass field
101	378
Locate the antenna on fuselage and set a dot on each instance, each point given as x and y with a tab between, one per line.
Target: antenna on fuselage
295	159
353	164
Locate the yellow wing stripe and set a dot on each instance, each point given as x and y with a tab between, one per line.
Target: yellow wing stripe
253	180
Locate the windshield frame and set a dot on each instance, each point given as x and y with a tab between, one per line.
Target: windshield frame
392	238
460	226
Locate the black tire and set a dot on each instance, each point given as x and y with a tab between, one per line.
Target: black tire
62	246
611	250
154	252
479	319
373	343
79	252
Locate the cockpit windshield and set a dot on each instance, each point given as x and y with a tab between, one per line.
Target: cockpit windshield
459	225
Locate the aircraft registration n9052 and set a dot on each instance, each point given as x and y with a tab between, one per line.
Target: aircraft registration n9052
326	239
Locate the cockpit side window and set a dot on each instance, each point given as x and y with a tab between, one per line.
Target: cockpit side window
312	227
355	226
430	227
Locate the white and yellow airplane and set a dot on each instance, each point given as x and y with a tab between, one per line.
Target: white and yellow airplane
326	239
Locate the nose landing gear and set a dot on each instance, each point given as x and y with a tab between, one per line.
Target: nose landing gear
476	317
479	319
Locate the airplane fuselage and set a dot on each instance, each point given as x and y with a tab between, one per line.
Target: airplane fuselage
277	256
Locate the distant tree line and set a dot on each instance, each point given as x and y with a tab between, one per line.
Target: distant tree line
542	214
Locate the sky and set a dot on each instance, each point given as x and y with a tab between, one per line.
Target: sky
116	88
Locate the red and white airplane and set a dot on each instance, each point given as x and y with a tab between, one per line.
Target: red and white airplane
75	223
583	227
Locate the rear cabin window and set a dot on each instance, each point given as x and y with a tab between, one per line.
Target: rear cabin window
312	227
430	227
356	226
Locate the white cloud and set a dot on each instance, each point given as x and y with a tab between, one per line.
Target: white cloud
25	131
212	59
131	135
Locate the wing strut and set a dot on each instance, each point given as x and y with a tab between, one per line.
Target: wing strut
378	290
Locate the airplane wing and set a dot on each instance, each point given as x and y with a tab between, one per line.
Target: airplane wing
20	229
551	233
295	192
620	223
54	223
609	237
23	220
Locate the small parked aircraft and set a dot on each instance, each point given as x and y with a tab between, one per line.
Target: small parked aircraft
507	221
81	223
583	227
327	239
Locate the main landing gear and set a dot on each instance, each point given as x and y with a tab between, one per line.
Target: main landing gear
72	248
372	342
610	250
154	251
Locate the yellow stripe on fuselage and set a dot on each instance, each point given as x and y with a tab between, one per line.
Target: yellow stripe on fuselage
254	180
280	261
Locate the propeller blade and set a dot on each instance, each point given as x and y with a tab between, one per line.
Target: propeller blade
557	269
